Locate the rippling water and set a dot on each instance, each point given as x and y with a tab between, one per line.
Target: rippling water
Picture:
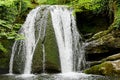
66	76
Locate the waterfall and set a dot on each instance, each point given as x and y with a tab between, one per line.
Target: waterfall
67	38
33	30
12	58
70	45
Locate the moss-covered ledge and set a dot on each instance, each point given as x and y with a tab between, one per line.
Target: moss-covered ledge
108	68
104	46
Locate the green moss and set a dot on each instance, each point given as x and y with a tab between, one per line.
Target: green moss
93	70
105	68
51	49
99	35
37	59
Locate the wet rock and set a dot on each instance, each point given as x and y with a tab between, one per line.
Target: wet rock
106	68
52	63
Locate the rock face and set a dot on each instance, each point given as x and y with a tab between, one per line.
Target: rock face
52	63
104	46
104	51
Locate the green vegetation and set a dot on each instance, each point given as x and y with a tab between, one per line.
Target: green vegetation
10	22
81	5
48	2
3	48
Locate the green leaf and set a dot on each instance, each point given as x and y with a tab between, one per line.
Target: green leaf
2	48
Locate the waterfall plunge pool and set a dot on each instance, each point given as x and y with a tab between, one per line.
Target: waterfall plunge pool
60	76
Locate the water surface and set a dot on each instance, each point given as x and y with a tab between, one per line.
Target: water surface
66	76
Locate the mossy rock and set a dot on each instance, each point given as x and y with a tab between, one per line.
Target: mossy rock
105	43
51	50
52	63
105	68
108	68
51	54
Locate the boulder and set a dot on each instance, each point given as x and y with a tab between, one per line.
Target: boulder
52	63
102	51
108	68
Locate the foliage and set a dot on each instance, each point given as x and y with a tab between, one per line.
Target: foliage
9	31
94	5
47	1
10	10
7	13
50	2
2	48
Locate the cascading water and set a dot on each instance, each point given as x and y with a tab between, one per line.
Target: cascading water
12	58
33	30
68	39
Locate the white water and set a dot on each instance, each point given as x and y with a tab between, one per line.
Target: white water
29	33
61	23
12	58
44	58
72	76
29	30
68	39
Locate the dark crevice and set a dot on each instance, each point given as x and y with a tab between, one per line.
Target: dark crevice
89	23
99	56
